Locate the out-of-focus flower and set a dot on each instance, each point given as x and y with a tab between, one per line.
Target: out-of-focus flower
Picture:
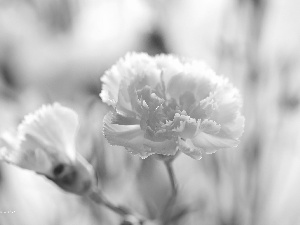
163	104
45	143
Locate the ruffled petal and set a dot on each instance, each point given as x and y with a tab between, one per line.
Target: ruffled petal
196	78
228	103
132	138
185	126
123	105
211	143
124	120
33	156
204	108
110	84
179	84
28	157
9	148
233	129
54	128
168	65
188	148
124	71
210	127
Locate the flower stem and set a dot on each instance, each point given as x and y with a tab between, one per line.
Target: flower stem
98	197
172	177
165	216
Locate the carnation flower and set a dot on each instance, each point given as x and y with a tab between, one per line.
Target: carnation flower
45	143
163	104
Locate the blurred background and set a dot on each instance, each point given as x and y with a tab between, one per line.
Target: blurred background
57	50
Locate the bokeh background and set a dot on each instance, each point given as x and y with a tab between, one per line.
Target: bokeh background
57	50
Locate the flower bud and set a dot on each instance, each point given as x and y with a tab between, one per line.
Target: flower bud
45	143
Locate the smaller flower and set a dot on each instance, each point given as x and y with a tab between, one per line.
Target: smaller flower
45	143
163	104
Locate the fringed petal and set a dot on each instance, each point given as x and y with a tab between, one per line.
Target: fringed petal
132	138
29	156
52	125
211	143
233	129
228	103
188	148
185	126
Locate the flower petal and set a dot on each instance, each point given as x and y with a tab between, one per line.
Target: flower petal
228	103
51	125
110	84
29	157
196	78
8	148
132	138
210	127
32	156
185	126
131	66
124	120
211	143
169	66
233	129
188	148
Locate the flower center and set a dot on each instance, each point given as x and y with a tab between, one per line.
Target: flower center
155	111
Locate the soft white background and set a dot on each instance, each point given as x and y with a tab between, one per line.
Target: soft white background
55	50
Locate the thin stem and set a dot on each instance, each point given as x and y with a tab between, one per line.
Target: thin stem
98	197
165	216
172	177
